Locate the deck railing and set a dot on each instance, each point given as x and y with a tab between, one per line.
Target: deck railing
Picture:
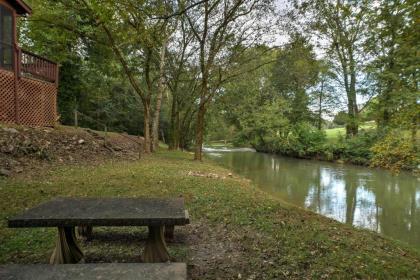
35	66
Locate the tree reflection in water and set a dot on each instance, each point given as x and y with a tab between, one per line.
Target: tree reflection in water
369	198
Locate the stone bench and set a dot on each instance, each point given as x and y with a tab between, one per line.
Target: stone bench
68	213
112	271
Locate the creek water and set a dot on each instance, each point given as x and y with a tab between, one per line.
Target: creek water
363	197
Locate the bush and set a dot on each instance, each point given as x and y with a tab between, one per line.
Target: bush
357	149
389	150
303	140
395	151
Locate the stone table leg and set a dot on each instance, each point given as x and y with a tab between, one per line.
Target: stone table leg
169	233
155	250
67	249
85	232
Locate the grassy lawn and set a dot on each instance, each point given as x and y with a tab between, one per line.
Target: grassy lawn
237	231
334	133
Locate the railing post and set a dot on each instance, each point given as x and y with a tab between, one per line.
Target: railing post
57	75
19	62
16	62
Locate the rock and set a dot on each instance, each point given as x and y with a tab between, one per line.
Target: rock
5	172
230	174
10	149
18	169
116	148
10	129
93	132
81	141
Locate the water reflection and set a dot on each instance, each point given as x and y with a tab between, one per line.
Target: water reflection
368	198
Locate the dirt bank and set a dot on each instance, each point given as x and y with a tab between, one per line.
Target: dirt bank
25	149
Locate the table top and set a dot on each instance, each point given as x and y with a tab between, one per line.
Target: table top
62	212
113	271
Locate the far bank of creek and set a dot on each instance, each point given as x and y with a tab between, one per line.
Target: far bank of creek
374	199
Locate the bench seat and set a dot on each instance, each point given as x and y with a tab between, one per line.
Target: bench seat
111	271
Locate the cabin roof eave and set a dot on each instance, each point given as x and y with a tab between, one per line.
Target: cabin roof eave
20	6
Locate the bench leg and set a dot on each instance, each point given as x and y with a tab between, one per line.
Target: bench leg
67	249
169	233
85	232
155	250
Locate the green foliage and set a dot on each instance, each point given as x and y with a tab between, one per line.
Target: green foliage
355	149
395	151
270	99
393	43
341	118
310	140
303	140
296	69
69	90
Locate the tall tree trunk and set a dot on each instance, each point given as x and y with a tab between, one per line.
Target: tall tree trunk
348	69
320	106
352	127
177	130
172	136
199	136
160	89
155	125
147	140
184	127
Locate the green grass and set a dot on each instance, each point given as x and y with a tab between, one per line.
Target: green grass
236	228
333	134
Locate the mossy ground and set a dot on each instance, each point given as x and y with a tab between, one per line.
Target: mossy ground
237	231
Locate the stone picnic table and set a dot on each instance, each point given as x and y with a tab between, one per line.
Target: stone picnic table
68	213
112	271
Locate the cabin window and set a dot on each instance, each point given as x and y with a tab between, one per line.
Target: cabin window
6	38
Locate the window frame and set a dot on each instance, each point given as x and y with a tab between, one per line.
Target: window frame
12	44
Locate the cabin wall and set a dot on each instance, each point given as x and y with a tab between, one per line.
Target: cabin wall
27	101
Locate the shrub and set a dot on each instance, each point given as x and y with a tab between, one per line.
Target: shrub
395	151
357	149
303	140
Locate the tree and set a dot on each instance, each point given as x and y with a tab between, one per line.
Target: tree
160	90
182	83
90	76
222	30
340	25
252	105
295	71
142	31
393	43
142	41
324	95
